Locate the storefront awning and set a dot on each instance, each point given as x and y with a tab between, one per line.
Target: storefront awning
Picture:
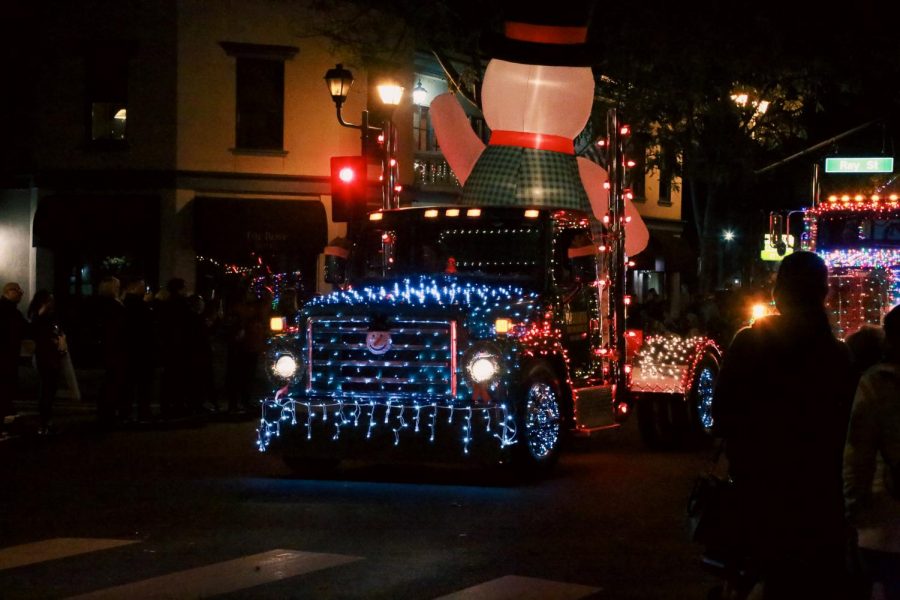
286	234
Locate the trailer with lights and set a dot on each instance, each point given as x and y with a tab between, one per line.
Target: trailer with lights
858	236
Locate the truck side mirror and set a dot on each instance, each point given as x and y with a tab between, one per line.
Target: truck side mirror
335	265
583	262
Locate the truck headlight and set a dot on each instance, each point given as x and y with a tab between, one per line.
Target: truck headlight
284	366
483	363
482	367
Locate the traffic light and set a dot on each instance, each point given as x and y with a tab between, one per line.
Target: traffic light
349	187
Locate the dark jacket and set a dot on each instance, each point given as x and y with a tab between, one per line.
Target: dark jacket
782	404
140	338
13	328
111	317
47	352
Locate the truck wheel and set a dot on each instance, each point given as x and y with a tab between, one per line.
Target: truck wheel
700	401
539	421
304	466
662	420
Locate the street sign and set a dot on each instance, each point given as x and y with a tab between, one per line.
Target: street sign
872	164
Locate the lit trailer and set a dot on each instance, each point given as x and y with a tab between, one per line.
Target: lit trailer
858	236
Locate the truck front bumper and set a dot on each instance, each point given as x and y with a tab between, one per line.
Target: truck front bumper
343	427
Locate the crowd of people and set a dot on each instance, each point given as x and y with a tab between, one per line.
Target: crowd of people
155	351
811	428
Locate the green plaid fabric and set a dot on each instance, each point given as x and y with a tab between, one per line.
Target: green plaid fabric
516	176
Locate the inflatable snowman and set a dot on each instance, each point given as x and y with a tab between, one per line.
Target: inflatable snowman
535	102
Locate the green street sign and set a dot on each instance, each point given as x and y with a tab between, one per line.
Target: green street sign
875	164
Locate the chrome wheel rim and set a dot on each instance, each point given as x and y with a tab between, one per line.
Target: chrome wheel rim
542	420
705	398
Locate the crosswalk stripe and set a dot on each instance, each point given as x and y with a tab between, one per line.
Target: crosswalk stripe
36	552
225	577
512	587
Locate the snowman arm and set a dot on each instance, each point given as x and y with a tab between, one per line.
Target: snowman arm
459	143
593	176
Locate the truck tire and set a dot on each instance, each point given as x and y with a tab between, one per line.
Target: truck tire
700	400
539	422
662	420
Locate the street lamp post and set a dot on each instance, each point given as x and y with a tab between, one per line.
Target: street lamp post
339	81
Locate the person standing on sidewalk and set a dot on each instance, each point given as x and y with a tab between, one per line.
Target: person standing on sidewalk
872	465
49	349
782	405
111	317
13	328
140	344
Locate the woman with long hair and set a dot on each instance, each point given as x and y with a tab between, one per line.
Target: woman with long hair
50	347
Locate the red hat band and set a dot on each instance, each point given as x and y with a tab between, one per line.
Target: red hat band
545	34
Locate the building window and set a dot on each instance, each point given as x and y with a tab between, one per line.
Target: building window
665	180
107	93
423	135
665	186
259	85
637	174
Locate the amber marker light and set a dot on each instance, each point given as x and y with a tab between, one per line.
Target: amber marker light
431	213
276	324
532	214
502	326
377	216
473	212
452	212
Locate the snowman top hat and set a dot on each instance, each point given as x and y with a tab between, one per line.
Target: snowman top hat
551	35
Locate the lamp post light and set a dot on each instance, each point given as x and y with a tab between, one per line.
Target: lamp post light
419	94
339	81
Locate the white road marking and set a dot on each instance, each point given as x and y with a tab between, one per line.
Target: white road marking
36	552
225	577
512	587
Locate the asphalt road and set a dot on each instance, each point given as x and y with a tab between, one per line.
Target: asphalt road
198	511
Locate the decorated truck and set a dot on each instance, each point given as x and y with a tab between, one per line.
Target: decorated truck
460	331
474	330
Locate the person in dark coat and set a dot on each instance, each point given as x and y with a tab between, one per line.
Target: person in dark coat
172	319
140	345
782	405
247	334
49	348
13	328
111	321
198	344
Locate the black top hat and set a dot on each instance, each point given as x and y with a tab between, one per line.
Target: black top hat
553	37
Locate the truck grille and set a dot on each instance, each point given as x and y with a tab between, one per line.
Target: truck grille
421	359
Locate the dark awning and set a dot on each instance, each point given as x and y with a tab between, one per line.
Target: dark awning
287	234
89	221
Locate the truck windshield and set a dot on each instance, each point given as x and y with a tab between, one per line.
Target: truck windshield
493	247
842	230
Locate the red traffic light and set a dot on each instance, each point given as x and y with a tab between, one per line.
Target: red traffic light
349	187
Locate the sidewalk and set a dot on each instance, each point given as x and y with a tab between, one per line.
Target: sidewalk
75	410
